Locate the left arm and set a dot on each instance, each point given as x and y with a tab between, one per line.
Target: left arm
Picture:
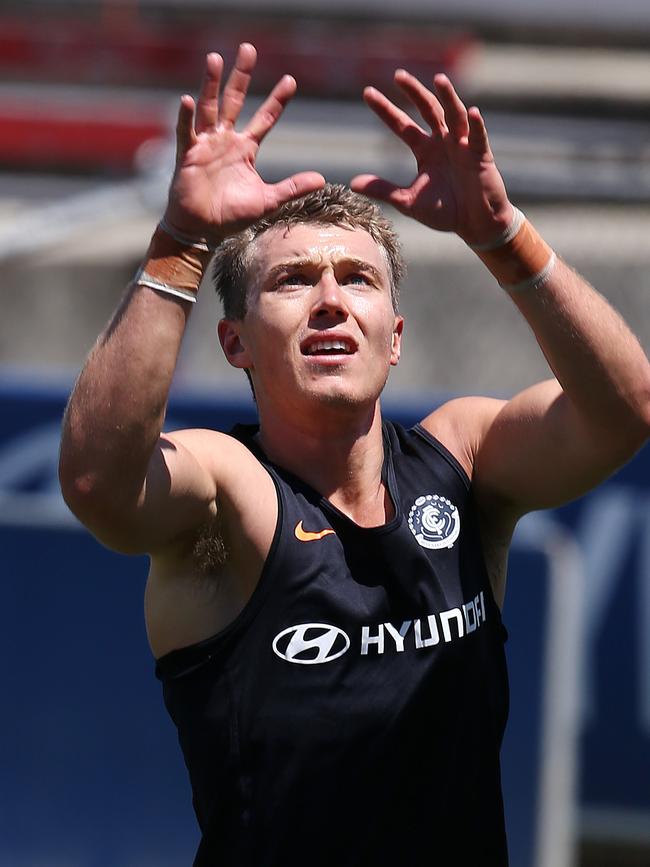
555	440
558	439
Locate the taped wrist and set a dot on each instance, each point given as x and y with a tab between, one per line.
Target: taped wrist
173	265
520	258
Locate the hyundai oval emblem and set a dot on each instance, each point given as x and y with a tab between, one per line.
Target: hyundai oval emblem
311	643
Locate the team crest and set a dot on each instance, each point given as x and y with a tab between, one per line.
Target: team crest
434	521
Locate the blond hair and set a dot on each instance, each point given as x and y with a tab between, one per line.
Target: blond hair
333	204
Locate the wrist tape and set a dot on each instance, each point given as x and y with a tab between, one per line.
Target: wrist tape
520	258
173	265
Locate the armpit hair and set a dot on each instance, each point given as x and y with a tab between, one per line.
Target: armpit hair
209	551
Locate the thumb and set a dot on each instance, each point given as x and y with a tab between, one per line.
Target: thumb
378	188
293	187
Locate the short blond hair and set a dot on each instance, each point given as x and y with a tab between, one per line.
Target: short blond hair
333	204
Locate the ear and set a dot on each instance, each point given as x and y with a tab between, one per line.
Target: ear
396	345
230	338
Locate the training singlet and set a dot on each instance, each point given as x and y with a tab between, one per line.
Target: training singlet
352	714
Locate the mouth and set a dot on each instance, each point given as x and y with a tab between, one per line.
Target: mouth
332	347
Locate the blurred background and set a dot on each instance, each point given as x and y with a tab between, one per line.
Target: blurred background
88	100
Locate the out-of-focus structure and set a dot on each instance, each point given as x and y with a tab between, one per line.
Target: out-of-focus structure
87	105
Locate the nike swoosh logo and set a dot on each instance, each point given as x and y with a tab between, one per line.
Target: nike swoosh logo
307	536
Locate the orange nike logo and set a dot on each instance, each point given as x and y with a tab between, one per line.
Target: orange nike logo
307	536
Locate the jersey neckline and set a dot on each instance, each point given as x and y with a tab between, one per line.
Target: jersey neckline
246	433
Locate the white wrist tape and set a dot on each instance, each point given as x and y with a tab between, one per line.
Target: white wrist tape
519	258
537	280
507	235
187	240
144	279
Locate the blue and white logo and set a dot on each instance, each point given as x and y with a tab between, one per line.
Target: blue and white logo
434	521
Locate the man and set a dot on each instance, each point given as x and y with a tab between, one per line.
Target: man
324	592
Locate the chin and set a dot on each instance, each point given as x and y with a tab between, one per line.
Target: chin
338	395
339	399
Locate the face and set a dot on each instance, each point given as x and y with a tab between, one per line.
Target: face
320	323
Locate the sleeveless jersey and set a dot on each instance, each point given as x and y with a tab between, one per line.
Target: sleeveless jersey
352	714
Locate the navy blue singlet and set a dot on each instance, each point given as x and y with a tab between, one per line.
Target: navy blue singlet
352	714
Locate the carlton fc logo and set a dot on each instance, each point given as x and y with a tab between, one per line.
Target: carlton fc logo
311	643
434	521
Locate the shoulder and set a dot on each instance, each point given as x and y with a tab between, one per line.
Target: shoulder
221	455
205	444
461	424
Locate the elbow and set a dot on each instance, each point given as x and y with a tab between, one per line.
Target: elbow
74	482
79	490
634	427
84	491
98	511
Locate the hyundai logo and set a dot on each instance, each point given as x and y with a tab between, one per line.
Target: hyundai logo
311	643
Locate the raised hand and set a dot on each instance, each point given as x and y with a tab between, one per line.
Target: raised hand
458	187
216	189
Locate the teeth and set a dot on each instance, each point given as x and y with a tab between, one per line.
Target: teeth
325	345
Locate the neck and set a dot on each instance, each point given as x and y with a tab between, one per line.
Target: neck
340	455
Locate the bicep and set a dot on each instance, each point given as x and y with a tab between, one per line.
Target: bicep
178	494
533	451
537	452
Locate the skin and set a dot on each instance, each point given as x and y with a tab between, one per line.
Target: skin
320	415
311	283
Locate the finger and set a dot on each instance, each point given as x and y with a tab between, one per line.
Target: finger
268	114
207	110
234	93
423	99
185	135
478	137
395	119
292	188
454	107
379	188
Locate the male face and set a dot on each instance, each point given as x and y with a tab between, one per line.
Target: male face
320	325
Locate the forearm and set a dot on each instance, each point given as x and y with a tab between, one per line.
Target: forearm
599	363
593	353
116	411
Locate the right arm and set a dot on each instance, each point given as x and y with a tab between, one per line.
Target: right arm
135	489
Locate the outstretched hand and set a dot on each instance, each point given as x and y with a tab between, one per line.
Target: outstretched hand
216	189
458	187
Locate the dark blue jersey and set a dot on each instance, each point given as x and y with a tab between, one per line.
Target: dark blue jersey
352	714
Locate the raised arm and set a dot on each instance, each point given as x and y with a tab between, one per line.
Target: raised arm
559	438
134	489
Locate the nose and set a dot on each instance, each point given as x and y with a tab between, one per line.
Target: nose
329	298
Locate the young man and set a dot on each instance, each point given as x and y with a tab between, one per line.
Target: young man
324	592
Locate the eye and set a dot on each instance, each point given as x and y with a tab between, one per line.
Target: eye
357	278
296	279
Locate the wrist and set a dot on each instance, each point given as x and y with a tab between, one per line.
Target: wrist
518	258
190	231
491	230
174	264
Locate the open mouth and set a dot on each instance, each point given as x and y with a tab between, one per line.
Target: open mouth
329	347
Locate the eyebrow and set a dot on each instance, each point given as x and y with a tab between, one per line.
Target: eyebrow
297	264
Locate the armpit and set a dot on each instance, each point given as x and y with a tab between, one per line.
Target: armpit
209	551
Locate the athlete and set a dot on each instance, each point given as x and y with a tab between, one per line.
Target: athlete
324	593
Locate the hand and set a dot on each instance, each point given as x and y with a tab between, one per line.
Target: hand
458	187
216	190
